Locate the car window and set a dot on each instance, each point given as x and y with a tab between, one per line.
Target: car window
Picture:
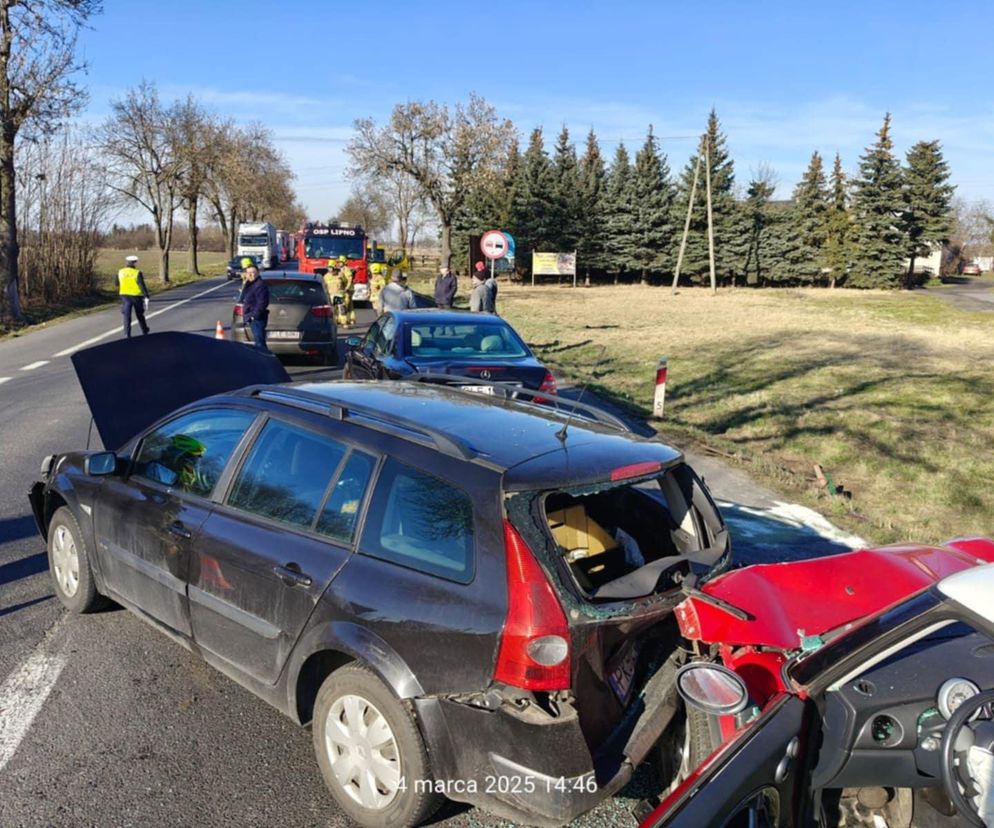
341	511
190	452
384	339
420	521
286	474
466	341
371	335
306	292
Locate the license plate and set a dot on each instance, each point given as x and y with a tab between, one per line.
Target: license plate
479	389
283	334
622	676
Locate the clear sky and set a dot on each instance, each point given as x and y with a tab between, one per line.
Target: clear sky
786	78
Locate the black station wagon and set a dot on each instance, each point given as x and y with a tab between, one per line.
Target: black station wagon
463	595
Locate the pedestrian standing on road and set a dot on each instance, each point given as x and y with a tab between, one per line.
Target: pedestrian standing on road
445	287
134	294
396	295
490	283
479	297
255	306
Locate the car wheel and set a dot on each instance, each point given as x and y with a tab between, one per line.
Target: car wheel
69	564
703	736
330	357
370	752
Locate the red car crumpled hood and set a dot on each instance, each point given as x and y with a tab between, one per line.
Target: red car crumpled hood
788	601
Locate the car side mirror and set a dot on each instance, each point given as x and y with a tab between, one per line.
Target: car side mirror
352	341
100	464
337	300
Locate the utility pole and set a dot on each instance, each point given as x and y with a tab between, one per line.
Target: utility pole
707	178
686	225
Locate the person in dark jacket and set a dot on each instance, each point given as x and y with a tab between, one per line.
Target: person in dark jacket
445	287
255	306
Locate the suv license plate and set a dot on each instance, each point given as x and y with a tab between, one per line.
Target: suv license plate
283	334
623	675
479	389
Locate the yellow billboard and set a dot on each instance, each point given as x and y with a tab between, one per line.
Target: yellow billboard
554	264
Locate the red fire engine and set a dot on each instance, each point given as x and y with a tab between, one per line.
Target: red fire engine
317	243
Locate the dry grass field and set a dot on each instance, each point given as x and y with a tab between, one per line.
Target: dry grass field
892	394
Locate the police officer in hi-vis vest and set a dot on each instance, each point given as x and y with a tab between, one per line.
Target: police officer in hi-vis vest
134	294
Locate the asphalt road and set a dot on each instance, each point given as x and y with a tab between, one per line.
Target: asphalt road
106	722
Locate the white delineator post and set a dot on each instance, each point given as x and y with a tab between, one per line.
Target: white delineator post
660	397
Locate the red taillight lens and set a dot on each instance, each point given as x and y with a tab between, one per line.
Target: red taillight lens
535	643
549	383
322	311
635	470
238	309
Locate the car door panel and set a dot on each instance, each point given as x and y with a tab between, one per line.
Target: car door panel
757	780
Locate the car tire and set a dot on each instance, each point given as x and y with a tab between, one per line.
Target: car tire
350	705
69	564
330	358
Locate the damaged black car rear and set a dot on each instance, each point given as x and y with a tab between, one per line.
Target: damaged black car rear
464	596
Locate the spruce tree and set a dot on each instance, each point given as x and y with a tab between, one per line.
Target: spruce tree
756	264
810	217
878	207
534	206
591	180
566	194
619	217
728	218
928	201
653	210
838	239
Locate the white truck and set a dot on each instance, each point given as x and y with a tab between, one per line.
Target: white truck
259	239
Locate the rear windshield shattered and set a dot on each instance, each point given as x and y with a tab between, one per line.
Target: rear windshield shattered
621	542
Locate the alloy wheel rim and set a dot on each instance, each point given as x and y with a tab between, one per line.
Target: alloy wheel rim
66	561
362	752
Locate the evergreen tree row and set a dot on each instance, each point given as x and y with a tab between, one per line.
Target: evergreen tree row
626	219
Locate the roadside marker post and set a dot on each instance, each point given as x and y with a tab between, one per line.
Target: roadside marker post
660	396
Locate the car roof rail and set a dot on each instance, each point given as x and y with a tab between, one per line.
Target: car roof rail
509	391
399	426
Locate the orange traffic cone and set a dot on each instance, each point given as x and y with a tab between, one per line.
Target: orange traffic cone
219	330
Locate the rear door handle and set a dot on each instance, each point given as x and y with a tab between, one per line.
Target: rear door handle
292	576
180	531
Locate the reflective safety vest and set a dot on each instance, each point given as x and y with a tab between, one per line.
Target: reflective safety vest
127	280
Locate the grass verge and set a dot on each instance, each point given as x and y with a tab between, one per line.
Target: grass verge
890	393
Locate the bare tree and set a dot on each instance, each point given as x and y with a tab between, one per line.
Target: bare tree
138	146
37	62
63	204
367	206
443	151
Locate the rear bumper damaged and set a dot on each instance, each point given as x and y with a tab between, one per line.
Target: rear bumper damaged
530	766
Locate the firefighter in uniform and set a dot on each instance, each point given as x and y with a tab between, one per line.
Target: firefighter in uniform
134	294
346	287
377	282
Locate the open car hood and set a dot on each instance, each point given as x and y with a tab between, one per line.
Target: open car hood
131	383
784	604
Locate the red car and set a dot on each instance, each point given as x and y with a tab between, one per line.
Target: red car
971	270
855	689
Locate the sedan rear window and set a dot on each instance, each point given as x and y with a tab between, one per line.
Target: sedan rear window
465	341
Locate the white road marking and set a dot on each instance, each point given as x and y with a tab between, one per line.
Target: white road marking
34	365
4	379
23	694
96	339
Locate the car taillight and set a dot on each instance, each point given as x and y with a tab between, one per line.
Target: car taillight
635	470
549	383
535	643
239	308
322	311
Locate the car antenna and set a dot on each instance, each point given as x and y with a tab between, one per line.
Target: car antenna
563	433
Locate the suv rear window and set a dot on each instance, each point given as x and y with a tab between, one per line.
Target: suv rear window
422	522
621	542
289	290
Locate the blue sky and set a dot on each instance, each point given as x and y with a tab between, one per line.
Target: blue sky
786	78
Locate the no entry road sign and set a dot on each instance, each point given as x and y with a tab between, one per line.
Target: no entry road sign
493	244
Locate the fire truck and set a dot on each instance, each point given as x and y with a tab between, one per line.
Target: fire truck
317	243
